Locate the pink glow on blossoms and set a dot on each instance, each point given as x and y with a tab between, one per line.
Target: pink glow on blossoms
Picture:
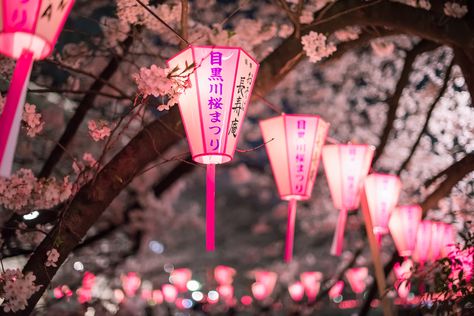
296	291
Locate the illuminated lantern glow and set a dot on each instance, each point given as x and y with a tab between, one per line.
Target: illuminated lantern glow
180	278
224	275
403	273
312	283
346	167
29	30
423	242
170	293
226	293
259	291
268	279
296	291
58	293
246	300
437	242
119	296
213	108
382	192
403	227
131	283
357	278
448	240
157	297
336	290
293	144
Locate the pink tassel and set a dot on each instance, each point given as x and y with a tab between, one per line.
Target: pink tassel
378	236
10	118
338	241
290	231
210	206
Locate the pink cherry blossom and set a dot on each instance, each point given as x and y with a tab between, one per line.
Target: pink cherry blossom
53	257
98	130
316	46
32	120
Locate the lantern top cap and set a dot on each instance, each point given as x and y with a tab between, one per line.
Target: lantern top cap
295	115
214	47
385	175
370	147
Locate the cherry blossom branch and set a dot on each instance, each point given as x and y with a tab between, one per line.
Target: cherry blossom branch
427	119
293	16
394	100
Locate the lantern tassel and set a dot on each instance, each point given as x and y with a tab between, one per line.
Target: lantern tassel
10	118
210	206
337	242
378	237
290	231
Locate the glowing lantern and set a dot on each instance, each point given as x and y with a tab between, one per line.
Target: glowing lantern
259	291
403	273
336	290
294	145
357	278
29	30
448	240
157	297
382	192
131	283
346	168
312	283
296	291
268	279
170	293
226	293
437	242
180	278
224	275
423	242
213	107
403	227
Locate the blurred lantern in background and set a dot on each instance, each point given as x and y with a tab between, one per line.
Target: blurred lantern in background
226	293
382	192
293	144
449	240
346	168
357	278
336	290
224	275
296	291
312	283
437	243
130	283
157	297
268	279
403	227
423	242
180	277
403	274
29	30
170	293
213	108
259	291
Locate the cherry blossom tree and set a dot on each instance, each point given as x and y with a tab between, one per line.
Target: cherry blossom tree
104	184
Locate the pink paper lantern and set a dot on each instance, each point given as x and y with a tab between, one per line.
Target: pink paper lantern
423	242
382	192
403	273
268	279
29	30
293	144
312	283
131	283
224	275
403	227
336	290
213	108
357	278
226	293
346	168
296	291
180	278
170	293
259	291
157	297
448	240
437	240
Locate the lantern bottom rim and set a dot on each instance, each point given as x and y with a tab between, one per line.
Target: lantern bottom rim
212	159
380	230
13	44
405	253
289	197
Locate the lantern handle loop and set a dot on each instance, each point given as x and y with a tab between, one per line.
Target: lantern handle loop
290	230
338	241
210	206
10	119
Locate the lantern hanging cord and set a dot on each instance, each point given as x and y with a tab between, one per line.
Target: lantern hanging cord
162	21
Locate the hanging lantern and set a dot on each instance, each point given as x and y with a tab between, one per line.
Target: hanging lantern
357	278
224	275
437	242
180	277
294	145
423	242
268	279
259	291
346	168
226	293
382	192
312	283
28	31
448	240
131	283
336	290
170	293
296	291
213	108
403	227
